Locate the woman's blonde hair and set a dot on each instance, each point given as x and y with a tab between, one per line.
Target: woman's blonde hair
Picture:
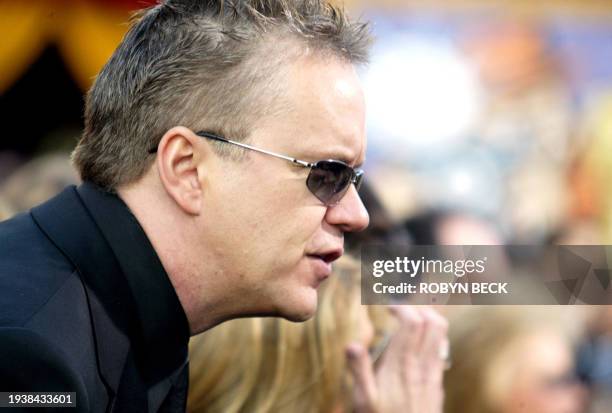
273	365
483	340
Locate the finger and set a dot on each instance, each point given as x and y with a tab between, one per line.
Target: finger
409	335
435	333
434	343
365	390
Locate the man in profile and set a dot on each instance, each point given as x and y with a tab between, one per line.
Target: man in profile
220	165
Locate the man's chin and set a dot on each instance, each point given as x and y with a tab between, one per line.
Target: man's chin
301	309
299	318
298	305
290	315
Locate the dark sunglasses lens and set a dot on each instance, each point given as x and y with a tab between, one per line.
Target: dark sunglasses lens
329	180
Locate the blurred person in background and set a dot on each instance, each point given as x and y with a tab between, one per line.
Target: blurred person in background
589	176
595	358
9	162
512	360
383	229
37	180
448	227
180	224
5	209
323	366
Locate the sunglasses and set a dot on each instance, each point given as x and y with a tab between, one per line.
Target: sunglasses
328	180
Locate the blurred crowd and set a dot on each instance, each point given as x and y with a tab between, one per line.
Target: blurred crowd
503	359
484	129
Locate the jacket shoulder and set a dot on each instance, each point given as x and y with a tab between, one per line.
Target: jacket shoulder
29	362
32	269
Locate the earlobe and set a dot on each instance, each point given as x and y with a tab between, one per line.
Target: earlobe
178	164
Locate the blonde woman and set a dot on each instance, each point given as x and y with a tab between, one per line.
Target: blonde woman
323	366
512	360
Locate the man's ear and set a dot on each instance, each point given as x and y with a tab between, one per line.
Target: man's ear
179	157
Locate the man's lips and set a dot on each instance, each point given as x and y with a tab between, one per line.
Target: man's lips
322	262
328	256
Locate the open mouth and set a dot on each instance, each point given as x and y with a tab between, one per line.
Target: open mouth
328	257
322	263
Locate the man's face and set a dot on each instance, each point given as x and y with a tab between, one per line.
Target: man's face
270	237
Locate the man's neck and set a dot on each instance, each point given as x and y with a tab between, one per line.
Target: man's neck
204	292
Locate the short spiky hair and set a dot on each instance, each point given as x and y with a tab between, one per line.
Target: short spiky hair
211	64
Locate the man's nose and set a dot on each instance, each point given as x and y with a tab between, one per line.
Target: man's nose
350	215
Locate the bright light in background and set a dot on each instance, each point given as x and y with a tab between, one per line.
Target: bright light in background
461	183
470	181
421	93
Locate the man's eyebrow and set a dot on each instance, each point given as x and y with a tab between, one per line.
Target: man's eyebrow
334	154
344	158
352	163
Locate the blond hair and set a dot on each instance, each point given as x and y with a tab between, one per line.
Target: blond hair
483	340
273	365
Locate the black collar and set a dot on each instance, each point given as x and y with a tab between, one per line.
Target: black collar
164	323
132	296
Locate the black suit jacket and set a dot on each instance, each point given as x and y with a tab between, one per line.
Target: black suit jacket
86	307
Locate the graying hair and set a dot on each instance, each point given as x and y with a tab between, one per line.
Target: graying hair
214	64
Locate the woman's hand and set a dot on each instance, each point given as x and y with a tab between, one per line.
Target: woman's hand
408	376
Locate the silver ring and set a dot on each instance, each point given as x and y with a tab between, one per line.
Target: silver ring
444	350
444	354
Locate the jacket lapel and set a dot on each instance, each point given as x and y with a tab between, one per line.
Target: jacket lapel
67	223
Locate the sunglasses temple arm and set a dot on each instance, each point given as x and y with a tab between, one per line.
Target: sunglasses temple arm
252	148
